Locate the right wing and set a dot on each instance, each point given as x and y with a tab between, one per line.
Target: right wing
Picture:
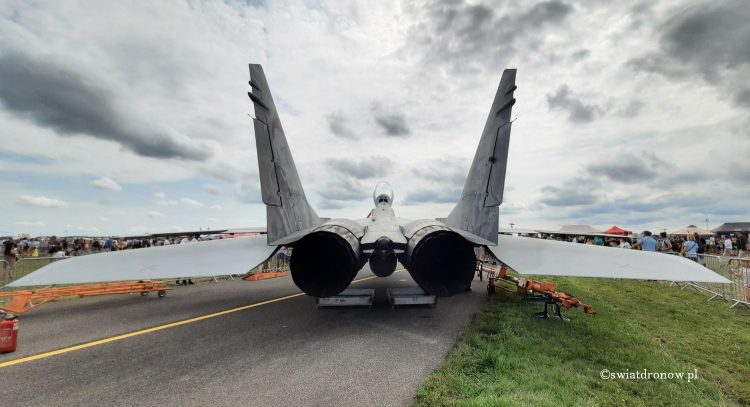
202	259
553	258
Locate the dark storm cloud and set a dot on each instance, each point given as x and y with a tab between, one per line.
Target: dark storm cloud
441	181
578	112
711	37
70	102
339	126
580	54
361	168
658	64
249	191
393	124
569	195
344	189
742	97
445	171
629	168
641	206
327	204
632	109
462	34
420	196
709	40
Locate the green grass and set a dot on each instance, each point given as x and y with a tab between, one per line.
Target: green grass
508	357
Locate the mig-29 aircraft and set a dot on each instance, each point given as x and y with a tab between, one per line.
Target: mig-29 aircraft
328	254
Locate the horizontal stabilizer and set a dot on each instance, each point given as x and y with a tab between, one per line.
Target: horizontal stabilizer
554	258
201	259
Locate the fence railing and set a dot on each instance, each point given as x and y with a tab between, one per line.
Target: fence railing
24	266
735	269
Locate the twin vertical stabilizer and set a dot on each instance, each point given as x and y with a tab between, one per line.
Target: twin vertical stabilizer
477	211
287	209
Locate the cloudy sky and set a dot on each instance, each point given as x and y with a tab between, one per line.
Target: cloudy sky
132	117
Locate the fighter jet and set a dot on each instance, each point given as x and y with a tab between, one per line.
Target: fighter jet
327	254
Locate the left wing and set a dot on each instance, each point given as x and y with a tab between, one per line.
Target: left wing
202	259
553	258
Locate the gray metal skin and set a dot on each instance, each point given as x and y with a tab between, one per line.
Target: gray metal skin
383	237
287	209
477	212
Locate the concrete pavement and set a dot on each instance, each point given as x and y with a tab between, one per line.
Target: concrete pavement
282	353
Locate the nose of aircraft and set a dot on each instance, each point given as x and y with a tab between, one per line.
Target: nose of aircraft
384	244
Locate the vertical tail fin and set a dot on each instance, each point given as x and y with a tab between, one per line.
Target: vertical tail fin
477	211
287	209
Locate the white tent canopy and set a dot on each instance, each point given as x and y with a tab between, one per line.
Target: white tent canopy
572	229
692	229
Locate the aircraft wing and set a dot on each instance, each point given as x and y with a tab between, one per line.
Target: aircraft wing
553	258
201	259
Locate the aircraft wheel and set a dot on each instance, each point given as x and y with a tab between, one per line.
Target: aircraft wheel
490	288
161	293
144	293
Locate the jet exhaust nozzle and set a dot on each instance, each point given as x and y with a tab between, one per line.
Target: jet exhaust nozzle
441	261
326	261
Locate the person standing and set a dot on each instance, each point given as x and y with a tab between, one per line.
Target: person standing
10	255
666	244
647	243
690	248
727	246
187	240
741	244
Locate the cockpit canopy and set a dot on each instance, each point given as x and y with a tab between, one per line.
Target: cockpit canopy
382	193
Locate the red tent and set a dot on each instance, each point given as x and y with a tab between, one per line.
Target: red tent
614	230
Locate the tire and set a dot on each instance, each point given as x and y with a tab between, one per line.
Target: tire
161	293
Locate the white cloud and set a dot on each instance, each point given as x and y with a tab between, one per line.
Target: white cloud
90	229
161	199
435	63
155	214
190	202
212	189
107	184
29	223
42	201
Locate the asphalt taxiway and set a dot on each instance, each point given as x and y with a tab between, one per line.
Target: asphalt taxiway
231	343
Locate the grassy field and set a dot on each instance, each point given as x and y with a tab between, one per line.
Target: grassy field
506	356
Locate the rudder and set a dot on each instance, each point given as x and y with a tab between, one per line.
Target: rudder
287	209
477	212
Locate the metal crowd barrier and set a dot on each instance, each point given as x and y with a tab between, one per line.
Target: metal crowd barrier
7	274
735	269
27	265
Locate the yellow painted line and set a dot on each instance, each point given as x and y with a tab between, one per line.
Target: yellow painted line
153	329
